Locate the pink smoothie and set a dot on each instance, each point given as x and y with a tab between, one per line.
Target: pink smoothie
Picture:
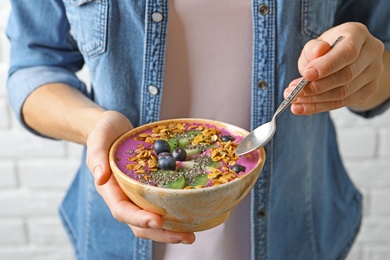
129	150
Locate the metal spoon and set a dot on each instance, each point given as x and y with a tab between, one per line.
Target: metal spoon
264	133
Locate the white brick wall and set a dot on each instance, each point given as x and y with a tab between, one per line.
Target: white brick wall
30	190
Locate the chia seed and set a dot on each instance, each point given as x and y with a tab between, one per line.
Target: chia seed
165	177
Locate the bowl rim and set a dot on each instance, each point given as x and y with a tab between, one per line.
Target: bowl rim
115	169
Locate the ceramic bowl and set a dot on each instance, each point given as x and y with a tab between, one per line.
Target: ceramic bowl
187	210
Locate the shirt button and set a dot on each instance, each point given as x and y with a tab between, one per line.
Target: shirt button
261	214
262	84
157	17
153	90
263	9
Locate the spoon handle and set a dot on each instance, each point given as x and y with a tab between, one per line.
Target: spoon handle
290	97
297	89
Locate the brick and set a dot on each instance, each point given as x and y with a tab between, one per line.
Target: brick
377	252
7	174
37	253
15	124
4	48
46	230
382	120
74	150
4	13
366	201
357	142
344	118
43	173
354	253
4	114
380	205
372	230
22	144
3	77
25	203
372	174
379	120
384	143
12	231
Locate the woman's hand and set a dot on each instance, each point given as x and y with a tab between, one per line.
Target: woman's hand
348	75
144	224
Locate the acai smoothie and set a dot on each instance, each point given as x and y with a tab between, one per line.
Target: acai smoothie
184	156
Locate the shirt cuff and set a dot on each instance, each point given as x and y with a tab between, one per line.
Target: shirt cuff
375	111
24	81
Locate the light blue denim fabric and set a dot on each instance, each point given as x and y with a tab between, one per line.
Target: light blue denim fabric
303	206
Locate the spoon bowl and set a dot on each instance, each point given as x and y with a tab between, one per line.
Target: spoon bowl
257	138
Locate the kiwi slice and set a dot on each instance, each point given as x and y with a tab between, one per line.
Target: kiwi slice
183	140
193	133
214	164
180	142
177	184
200	180
199	150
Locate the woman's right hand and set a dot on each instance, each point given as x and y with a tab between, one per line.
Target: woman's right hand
144	224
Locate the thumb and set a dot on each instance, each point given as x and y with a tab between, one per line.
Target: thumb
97	160
312	50
101	173
106	131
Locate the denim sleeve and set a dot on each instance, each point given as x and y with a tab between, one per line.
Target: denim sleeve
375	15
42	50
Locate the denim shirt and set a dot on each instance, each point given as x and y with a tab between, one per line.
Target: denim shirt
304	206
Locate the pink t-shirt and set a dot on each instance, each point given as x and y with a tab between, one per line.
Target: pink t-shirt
208	64
208	75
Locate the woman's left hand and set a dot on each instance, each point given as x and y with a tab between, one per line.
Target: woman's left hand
347	75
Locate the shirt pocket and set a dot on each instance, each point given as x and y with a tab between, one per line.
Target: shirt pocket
318	16
88	22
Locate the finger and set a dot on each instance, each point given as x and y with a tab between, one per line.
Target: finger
164	236
339	92
344	76
144	224
359	97
321	83
342	55
124	210
364	69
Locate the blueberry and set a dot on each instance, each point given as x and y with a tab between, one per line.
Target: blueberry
179	154
166	162
161	146
227	138
238	168
164	154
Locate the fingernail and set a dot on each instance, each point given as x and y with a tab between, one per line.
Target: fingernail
298	109
153	224
185	242
97	172
310	73
98	175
